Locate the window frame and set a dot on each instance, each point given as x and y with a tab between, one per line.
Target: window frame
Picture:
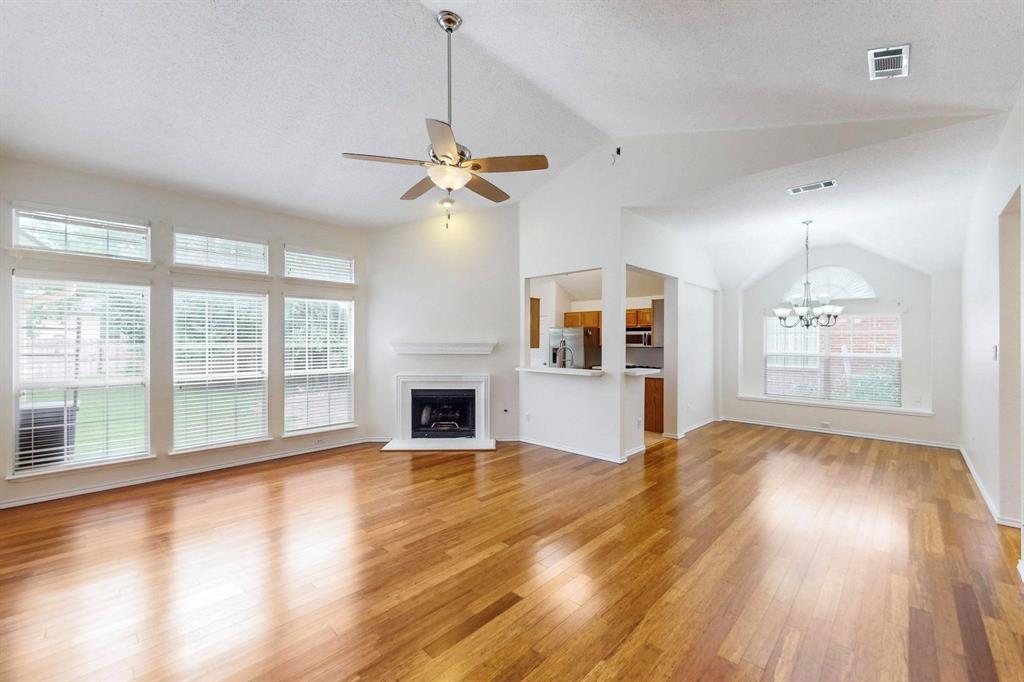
823	367
312	251
266	436
147	287
353	422
32	207
211	269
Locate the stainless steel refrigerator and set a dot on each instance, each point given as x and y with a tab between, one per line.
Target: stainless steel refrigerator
582	343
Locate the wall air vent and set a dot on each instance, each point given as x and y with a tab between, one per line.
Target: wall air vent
823	184
888	62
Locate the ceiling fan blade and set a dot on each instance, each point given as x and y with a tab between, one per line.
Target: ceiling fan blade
507	164
486	189
385	159
419	189
442	140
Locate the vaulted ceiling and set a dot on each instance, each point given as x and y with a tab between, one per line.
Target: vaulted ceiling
255	102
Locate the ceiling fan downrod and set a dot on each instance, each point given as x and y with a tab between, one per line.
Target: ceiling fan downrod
449	22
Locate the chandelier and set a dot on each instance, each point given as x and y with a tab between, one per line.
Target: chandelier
809	312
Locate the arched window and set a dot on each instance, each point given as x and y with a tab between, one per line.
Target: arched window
833	282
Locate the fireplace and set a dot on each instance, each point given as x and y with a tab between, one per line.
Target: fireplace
443	413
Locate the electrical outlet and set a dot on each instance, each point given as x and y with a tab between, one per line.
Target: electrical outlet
826	425
527	415
318	441
639	423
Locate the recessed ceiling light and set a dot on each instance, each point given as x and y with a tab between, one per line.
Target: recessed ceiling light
821	184
889	62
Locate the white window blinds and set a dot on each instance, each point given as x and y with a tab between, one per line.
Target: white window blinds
312	265
81	372
219	252
317	363
75	234
859	360
220	368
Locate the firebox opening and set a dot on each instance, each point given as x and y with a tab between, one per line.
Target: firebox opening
443	413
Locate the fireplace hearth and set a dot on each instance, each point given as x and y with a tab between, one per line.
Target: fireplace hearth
443	413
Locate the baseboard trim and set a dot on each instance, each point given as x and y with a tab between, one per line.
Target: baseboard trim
20	502
574	451
694	427
635	451
992	508
838	432
673	436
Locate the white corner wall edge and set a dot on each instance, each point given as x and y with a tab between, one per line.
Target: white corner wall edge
574	451
1020	569
185	472
443	347
992	509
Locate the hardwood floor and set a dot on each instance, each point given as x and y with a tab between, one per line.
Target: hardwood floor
740	552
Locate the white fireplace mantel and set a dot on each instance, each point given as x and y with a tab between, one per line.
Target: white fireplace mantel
443	347
404	385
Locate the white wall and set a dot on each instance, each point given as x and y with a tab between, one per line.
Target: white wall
35	183
1009	361
696	404
980	320
688	357
572	224
432	284
929	307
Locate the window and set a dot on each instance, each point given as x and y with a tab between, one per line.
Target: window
219	252
832	282
317	363
81	372
856	361
220	368
312	265
49	231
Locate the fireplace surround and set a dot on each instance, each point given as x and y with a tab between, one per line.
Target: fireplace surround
442	412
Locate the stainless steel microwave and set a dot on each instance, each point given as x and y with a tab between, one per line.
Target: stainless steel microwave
638	339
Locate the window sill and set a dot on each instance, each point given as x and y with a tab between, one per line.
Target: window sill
319	282
219	272
52	471
219	446
829	404
19	252
322	429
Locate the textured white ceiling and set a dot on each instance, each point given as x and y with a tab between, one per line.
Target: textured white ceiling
634	67
256	101
907	199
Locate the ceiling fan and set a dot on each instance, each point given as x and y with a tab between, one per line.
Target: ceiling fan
450	165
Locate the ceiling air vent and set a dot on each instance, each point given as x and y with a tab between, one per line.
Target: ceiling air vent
823	184
888	62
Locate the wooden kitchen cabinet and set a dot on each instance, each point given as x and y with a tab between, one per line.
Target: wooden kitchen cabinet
584	318
644	317
654	404
631	318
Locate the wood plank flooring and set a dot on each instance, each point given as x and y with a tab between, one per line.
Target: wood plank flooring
738	553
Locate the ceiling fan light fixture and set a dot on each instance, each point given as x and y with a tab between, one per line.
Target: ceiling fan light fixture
449	177
447	202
